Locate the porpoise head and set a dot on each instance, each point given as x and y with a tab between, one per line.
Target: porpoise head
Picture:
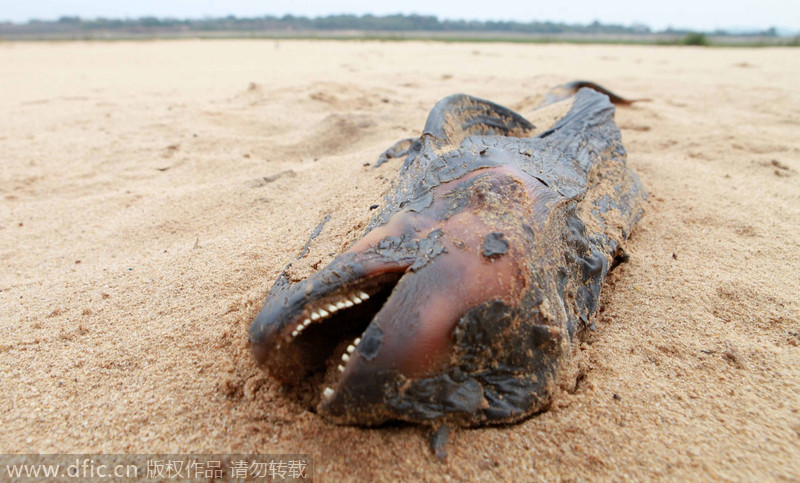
428	317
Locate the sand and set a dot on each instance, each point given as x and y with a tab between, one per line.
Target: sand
152	191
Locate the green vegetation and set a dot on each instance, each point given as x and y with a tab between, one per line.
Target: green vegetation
389	27
396	23
695	38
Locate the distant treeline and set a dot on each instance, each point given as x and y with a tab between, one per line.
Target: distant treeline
289	23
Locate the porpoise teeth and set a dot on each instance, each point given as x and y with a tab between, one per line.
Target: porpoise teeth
328	393
351	348
346	357
347	301
299	329
357	341
340	367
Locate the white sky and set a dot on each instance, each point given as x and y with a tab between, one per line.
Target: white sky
694	14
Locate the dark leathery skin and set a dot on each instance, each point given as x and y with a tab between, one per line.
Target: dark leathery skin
497	241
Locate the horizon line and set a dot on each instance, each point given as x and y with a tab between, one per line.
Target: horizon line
780	31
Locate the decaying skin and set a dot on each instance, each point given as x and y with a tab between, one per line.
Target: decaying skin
459	304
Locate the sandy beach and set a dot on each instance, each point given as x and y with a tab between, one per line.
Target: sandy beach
152	191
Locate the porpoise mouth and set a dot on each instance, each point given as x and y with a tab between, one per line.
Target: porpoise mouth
311	337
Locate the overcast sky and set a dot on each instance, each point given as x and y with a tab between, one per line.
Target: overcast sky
694	14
